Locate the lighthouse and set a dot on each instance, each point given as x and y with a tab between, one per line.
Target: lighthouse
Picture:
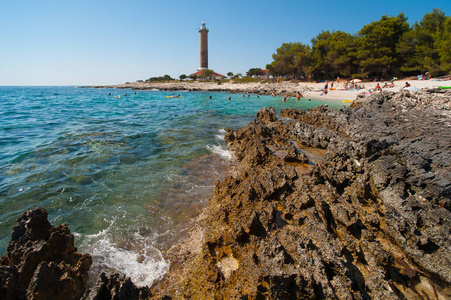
203	47
203	56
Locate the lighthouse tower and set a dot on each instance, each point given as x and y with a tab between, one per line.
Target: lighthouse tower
203	56
203	47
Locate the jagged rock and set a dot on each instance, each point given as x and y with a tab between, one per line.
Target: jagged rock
371	220
42	261
267	114
115	287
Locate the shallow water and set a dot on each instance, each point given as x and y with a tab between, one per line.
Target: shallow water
127	174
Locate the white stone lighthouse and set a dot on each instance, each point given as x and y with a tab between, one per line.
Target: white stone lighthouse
203	47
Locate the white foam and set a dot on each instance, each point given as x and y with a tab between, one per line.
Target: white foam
136	257
221	134
217	149
143	266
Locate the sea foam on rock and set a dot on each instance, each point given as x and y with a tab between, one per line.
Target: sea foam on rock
43	263
371	220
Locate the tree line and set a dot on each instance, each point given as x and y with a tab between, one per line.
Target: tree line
385	48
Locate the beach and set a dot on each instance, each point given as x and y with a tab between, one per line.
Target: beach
338	93
309	90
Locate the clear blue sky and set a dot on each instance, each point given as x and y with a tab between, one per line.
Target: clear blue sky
59	42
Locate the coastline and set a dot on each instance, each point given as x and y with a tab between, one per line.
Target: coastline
369	221
309	90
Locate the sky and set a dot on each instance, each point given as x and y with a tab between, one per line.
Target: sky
99	42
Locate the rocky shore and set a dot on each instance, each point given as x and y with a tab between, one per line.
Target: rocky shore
371	220
212	86
323	204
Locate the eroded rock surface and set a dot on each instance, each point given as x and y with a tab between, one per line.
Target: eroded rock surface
43	263
371	220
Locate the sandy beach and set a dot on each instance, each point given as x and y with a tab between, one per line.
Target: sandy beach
313	90
309	90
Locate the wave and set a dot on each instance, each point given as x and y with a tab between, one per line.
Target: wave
217	149
135	257
221	134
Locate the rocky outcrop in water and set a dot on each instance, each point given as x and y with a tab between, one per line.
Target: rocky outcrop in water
43	263
371	220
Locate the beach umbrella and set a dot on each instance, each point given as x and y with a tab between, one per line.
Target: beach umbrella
357	80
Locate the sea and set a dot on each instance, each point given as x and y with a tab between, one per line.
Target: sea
128	171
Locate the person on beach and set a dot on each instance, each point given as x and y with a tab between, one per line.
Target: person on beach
378	87
406	85
298	96
326	87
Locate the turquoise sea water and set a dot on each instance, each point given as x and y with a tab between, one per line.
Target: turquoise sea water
128	174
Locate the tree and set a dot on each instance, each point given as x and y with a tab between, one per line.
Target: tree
291	59
377	42
255	72
193	77
207	73
167	77
421	45
183	77
230	74
444	46
333	54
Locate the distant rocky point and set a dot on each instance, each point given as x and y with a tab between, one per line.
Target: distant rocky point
212	86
